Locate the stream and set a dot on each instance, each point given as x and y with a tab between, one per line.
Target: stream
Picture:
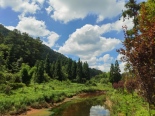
86	104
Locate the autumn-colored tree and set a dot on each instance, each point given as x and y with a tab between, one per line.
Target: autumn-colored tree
140	46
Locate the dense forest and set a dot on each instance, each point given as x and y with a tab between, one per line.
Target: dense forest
26	60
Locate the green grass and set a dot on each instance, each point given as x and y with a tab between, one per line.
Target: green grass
38	95
124	104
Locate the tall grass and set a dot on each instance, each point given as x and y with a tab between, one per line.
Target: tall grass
38	95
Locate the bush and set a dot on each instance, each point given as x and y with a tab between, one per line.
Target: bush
130	85
16	85
17	78
2	77
119	85
9	77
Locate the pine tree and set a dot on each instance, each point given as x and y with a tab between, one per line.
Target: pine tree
73	69
47	65
86	73
69	70
112	72
115	75
57	71
117	72
40	72
79	71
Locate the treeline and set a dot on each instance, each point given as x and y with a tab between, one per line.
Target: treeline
24	59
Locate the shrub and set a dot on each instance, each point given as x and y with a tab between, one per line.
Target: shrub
2	77
9	77
119	85
130	85
16	85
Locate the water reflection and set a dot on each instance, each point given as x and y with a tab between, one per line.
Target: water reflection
99	111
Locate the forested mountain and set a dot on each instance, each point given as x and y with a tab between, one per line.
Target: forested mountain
30	59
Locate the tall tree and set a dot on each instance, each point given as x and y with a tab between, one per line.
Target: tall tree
140	48
79	71
117	72
69	70
25	76
112	71
86	72
115	75
47	65
57	71
40	71
73	70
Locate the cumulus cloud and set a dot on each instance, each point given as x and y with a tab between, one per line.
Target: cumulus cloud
87	42
51	39
23	6
106	58
49	9
32	26
67	10
36	28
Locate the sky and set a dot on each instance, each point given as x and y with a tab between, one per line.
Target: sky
85	29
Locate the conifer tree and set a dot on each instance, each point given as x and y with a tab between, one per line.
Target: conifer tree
115	75
57	71
86	73
73	70
79	71
69	70
47	65
40	72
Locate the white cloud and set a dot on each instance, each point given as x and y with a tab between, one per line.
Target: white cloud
10	27
87	42
68	10
104	67
106	58
51	39
36	28
23	6
122	66
49	9
32	26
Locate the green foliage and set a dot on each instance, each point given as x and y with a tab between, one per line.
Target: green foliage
24	74
115	75
47	65
79	72
16	85
85	69
58	71
126	104
40	72
2	78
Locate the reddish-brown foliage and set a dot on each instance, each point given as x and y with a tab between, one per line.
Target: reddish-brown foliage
119	85
140	52
130	85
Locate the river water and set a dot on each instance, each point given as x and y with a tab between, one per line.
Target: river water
87	106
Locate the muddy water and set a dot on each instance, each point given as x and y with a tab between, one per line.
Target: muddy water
91	104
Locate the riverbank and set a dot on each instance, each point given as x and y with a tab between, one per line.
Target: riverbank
47	111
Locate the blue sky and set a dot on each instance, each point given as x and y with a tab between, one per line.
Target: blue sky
85	29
